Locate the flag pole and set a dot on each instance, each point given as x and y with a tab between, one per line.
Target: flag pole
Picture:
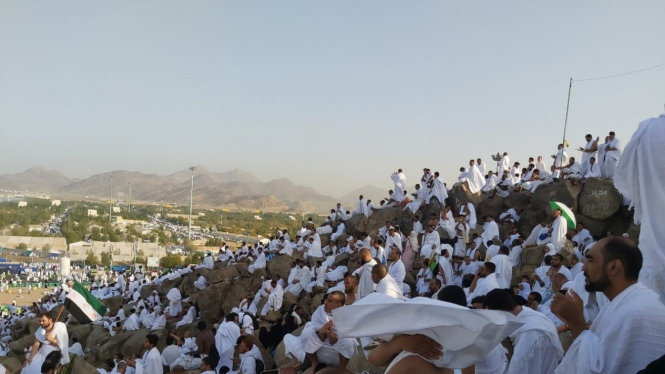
565	124
59	314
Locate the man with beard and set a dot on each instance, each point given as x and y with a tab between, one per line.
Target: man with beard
364	272
51	336
350	289
629	332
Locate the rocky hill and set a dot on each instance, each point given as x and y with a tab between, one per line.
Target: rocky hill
233	189
38	178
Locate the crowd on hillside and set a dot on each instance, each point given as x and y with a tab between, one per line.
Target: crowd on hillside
581	311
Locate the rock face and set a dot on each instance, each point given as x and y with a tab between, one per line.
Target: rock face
600	199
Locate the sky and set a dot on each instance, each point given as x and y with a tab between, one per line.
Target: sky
335	95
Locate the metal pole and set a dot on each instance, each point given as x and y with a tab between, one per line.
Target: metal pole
130	196
111	202
565	125
191	202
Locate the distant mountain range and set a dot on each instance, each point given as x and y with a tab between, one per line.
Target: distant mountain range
234	189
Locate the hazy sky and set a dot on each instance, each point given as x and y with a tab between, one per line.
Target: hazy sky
334	94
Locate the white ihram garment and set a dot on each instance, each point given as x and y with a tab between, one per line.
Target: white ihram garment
638	171
627	335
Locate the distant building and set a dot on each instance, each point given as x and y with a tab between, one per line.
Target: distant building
176	215
122	251
292	218
22	204
34	228
258	218
55	202
116	209
58	244
92	212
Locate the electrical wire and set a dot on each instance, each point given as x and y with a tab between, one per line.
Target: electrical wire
619	75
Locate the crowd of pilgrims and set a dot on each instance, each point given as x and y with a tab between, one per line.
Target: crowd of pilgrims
583	311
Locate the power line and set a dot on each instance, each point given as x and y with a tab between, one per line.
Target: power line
620	75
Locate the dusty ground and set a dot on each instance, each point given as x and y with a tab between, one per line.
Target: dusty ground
23	299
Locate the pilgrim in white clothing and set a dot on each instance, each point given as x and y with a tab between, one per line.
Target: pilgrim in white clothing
227	334
59	333
559	230
627	335
311	343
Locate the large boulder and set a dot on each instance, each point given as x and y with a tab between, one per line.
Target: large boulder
126	342
167	284
18	346
460	192
517	200
227	273
281	265
239	289
434	207
355	225
288	301
490	206
563	192
80	366
599	199
533	256
595	227
80	332
211	301
12	364
531	217
379	218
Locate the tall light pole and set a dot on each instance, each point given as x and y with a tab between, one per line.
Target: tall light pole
130	197
111	202
191	202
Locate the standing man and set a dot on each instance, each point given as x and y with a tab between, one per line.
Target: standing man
397	269
152	359
588	151
613	151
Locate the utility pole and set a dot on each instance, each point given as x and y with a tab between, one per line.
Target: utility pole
162	209
191	202
129	204
111	202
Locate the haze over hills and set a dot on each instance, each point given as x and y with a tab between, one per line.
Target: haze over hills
234	189
37	178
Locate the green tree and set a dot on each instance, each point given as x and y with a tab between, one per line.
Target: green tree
140	257
214	242
171	260
91	259
46	248
22	246
189	247
105	259
194	258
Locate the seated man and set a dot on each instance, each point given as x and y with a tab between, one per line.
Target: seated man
319	337
200	282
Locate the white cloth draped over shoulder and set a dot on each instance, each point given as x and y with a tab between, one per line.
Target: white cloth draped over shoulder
627	335
469	211
60	333
475	179
466	335
311	342
438	191
225	342
537	348
365	285
559	230
639	170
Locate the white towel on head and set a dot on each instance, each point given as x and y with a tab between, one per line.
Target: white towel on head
640	176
